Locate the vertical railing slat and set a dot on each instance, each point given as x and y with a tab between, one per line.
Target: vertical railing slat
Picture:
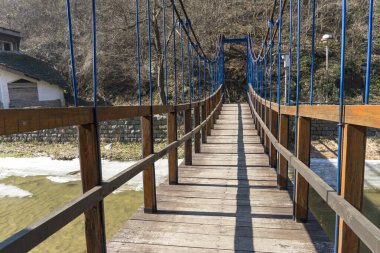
352	181
173	154
149	180
91	177
301	185
282	177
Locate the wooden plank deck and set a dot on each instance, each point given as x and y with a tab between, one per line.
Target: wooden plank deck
227	201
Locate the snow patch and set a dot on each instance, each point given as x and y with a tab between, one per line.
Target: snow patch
327	168
68	171
10	191
39	166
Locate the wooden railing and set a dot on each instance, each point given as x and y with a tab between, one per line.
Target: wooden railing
353	225
95	190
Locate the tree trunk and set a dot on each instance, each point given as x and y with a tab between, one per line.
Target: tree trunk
161	82
160	61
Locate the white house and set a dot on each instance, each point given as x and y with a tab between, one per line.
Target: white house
24	80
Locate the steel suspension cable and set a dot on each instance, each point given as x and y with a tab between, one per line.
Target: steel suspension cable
72	58
165	50
199	77
270	23
182	60
312	54
340	125
369	53
290	50
150	54
174	26
94	66
204	78
98	155
191	28
279	23
297	93
265	71
189	62
279	78
138	53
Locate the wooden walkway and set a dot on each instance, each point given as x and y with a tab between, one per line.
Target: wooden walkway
227	201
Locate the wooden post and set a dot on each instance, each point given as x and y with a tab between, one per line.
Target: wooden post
197	137
173	154
282	177
216	106
266	142
258	109
188	143
212	107
352	181
253	98
204	128
149	179
273	130
263	135
90	166
303	154
208	110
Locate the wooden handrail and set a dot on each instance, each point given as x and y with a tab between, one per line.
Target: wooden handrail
361	115
14	121
33	235
368	233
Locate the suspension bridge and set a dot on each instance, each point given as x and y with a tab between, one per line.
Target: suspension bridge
240	187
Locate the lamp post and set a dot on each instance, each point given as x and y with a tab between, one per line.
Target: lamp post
325	39
286	58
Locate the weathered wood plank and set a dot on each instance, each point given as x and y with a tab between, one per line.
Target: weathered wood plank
173	154
188	143
91	177
226	201
302	186
352	178
283	163
149	179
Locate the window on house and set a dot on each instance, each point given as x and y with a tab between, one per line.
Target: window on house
22	93
7	46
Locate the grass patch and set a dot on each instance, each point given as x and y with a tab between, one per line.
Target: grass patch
67	151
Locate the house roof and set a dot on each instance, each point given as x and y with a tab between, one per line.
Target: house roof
10	32
31	67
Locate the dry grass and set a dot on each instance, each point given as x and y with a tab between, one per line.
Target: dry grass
68	151
328	148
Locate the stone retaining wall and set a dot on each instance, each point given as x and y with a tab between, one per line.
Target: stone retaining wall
321	128
111	131
129	131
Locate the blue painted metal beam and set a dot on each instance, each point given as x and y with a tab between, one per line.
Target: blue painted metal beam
235	41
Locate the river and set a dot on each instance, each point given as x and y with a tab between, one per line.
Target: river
31	188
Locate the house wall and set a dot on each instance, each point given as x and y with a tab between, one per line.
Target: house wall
46	91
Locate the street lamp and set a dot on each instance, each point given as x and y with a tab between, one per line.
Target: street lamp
286	58
325	39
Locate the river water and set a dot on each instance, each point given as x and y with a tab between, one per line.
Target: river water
326	169
32	188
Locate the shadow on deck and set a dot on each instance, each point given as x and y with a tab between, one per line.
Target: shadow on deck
227	201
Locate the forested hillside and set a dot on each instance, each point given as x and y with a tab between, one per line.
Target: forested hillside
44	28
